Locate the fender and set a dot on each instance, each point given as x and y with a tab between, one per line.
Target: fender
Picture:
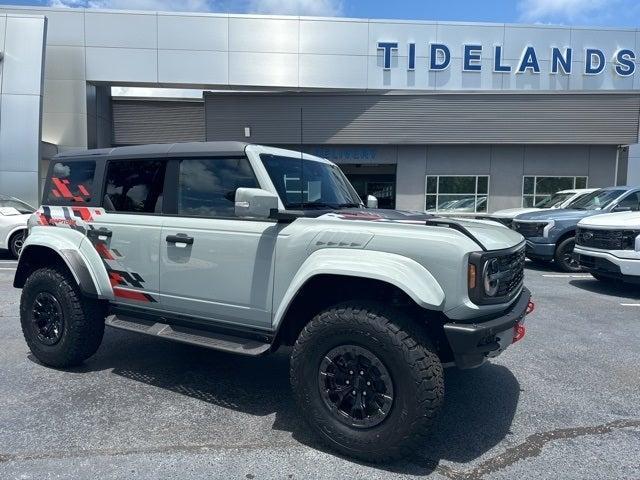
15	229
72	247
402	272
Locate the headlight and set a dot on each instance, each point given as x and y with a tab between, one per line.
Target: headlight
489	272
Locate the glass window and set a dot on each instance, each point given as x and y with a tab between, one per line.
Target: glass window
207	186
457	194
535	190
631	202
307	184
134	186
71	183
20	206
596	200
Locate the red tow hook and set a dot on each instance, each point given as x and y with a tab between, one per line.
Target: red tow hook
519	329
530	307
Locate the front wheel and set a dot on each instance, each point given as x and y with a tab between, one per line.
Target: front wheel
367	380
60	326
566	260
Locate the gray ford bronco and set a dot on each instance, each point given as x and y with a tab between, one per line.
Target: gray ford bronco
244	248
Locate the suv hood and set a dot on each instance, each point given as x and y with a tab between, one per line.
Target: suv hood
491	235
622	220
513	212
559	214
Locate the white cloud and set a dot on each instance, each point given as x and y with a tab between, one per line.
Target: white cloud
317	8
589	11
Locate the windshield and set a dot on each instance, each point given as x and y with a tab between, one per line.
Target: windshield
596	200
554	200
17	204
308	184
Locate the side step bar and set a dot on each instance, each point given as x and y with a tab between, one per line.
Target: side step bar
202	338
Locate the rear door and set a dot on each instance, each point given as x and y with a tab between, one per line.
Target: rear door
127	234
214	265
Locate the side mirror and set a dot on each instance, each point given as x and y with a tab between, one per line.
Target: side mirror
619	208
372	202
255	202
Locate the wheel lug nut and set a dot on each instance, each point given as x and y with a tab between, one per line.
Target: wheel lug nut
350	372
364	393
347	382
354	392
368	384
361	372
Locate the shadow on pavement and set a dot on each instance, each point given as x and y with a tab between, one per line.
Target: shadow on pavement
479	406
613	288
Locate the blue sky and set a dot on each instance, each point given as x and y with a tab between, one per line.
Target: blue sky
615	13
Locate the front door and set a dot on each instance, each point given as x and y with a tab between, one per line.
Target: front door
212	264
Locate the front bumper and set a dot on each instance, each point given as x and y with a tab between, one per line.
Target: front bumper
473	343
609	265
544	251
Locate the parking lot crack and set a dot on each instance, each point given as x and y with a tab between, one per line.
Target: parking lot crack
532	447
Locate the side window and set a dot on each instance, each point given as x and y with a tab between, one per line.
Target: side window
71	183
134	186
631	201
207	186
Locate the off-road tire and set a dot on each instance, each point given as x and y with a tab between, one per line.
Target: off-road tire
407	354
15	243
560	258
83	319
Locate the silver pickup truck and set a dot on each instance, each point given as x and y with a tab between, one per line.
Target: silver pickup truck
244	248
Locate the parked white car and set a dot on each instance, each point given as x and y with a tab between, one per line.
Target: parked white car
608	246
14	214
561	199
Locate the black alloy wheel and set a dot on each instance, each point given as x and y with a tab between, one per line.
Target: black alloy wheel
47	318
355	386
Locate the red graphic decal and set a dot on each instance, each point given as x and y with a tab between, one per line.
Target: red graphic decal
103	251
97	212
85	213
56	193
83	190
115	279
62	188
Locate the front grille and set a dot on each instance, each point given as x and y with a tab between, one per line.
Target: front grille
513	265
527	229
607	239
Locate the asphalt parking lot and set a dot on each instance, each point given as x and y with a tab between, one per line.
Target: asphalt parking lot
564	402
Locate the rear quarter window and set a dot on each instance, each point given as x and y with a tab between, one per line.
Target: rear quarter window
71	183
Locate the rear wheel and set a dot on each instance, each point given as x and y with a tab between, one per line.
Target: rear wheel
367	381
61	327
566	260
16	242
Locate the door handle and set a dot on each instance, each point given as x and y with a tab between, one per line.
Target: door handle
100	233
180	238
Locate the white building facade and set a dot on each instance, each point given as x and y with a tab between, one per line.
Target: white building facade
416	112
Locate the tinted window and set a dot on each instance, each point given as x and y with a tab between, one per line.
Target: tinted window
596	200
207	187
134	186
71	183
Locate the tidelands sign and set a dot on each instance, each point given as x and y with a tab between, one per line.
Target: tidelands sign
439	56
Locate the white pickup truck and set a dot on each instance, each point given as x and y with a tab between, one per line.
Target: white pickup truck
608	246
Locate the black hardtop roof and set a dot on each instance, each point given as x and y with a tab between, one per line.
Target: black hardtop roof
159	150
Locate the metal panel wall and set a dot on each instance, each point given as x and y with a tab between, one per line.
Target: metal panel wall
424	119
152	121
